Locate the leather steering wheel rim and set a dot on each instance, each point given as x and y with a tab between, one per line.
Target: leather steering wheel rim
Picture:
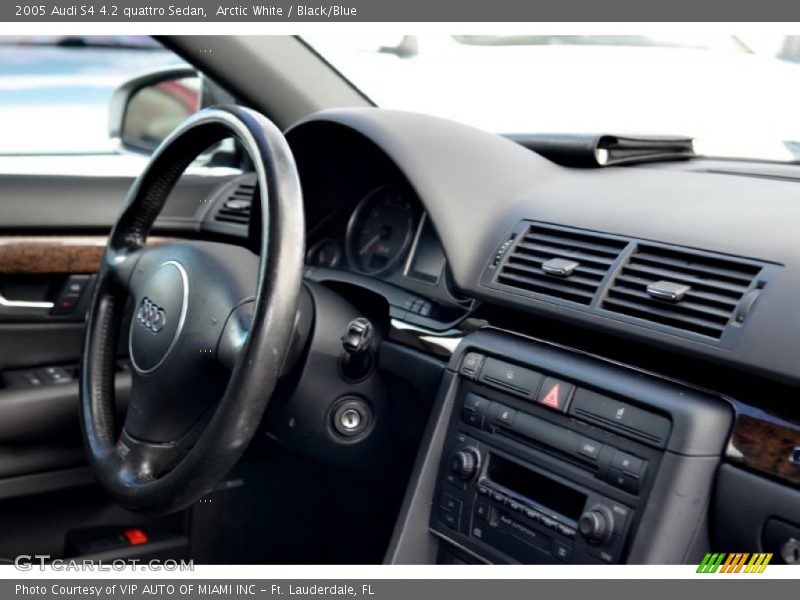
129	474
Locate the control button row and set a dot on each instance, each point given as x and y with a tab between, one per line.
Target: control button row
623	471
532	514
533	386
564	396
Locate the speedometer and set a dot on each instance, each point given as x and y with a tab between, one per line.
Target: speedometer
380	230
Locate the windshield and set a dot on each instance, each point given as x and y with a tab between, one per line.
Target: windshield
737	97
55	91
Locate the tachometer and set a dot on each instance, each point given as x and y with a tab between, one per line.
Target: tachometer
380	230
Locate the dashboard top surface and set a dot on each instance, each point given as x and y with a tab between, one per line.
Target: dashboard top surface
463	190
476	187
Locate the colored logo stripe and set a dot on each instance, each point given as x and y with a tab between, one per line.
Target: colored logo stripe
710	563
758	563
734	563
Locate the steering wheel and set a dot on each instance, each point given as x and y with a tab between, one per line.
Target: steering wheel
210	331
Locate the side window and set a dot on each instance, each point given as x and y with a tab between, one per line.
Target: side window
55	91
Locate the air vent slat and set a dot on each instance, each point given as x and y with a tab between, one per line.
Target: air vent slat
665	317
540	257
573	243
724	302
576	263
536	265
688	307
539	275
551	251
652	274
707	268
232	218
709	289
548	288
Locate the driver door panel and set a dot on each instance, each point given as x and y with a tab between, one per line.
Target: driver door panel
53	231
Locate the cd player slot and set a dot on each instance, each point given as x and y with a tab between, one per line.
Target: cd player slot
554	452
542	434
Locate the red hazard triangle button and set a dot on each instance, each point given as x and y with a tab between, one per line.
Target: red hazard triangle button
555	393
551	399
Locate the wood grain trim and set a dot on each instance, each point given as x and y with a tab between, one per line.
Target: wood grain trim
55	254
765	443
51	254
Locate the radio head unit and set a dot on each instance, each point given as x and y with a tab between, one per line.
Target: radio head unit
542	462
516	510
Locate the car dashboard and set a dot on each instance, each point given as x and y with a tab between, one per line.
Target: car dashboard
572	281
601	363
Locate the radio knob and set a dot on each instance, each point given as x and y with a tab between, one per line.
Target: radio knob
464	463
596	525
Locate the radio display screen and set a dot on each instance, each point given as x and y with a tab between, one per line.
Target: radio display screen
542	490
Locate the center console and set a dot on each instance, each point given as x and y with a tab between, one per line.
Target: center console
539	454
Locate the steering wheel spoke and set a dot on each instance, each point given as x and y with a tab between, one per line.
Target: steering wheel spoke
142	462
234	335
120	266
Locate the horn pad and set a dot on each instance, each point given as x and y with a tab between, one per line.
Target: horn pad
159	317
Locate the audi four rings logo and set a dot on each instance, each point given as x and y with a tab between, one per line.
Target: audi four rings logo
151	316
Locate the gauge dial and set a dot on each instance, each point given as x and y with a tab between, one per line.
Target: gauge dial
325	253
380	230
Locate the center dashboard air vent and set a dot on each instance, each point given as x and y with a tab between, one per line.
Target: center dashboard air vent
690	290
671	289
559	262
235	207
